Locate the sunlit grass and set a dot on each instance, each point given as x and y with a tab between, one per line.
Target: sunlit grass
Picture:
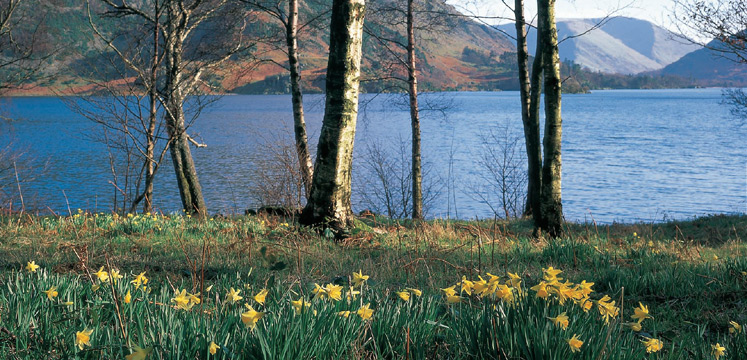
691	276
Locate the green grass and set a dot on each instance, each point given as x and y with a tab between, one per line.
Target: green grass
691	274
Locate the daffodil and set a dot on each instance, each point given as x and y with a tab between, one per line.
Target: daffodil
404	295
333	291
68	303
251	317
139	353
102	275
453	299
344	314
652	345
233	296
585	287
115	275
299	305
504	293
51	293
466	286
181	299
734	327
541	290
83	338
607	308
551	274
213	348
717	350
415	292
365	312
359	278
641	313
575	343
515	281
139	280
261	296
31	266
481	286
128	297
561	321
194	298
351	294
450	291
634	326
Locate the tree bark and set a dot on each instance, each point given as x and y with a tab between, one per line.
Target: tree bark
530	96
551	207
299	124
329	201
412	80
190	190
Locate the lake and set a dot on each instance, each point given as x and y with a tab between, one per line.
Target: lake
628	155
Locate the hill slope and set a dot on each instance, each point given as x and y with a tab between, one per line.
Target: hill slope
621	46
709	68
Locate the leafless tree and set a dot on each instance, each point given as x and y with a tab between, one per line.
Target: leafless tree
502	175
190	40
278	180
384	180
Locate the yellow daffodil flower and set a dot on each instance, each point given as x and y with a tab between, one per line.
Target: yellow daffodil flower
575	343
139	280
213	348
634	326
541	290
233	296
333	291
68	303
352	293
102	275
504	293
115	276
404	295
450	291
734	327
652	345
31	266
261	296
561	321
359	278
453	299
641	313
139	353
251	317
717	351
182	300
83	338
128	297
585	288
51	293
299	304
344	314
194	298
607	308
466	286
365	312
415	292
209	288
481	286
551	274
515	281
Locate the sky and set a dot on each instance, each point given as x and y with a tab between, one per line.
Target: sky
656	11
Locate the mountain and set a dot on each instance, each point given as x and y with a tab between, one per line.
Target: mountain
709	68
622	45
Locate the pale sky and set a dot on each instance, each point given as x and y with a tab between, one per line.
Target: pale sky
656	11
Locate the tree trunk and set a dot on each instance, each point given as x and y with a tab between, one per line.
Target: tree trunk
412	80
329	201
551	207
530	95
181	155
299	124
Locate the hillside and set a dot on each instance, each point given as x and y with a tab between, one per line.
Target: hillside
621	46
709	68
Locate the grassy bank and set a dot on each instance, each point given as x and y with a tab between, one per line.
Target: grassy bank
692	276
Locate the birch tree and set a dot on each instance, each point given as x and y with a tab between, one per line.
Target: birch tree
329	201
197	37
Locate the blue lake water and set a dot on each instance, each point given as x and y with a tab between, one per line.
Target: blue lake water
628	155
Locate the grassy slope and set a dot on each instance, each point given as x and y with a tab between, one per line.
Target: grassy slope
691	274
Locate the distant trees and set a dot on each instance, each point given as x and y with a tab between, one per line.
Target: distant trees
22	43
190	39
329	201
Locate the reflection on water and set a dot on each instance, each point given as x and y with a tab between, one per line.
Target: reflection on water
635	155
